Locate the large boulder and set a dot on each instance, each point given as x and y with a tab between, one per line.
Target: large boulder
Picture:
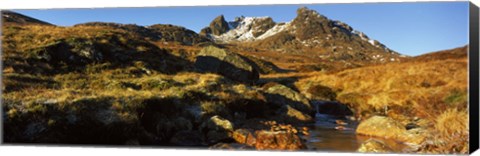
217	129
280	140
385	127
281	95
244	136
217	60
291	115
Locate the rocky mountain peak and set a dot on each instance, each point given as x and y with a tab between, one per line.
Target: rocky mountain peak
305	12
217	27
309	23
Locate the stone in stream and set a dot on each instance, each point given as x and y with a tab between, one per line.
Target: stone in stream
280	140
340	122
374	146
385	127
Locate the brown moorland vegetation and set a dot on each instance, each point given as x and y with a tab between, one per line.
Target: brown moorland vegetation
59	82
432	94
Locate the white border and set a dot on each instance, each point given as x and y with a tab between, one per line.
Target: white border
82	151
47	4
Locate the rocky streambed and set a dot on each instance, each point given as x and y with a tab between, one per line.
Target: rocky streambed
337	134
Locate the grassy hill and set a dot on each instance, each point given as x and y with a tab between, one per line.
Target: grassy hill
429	90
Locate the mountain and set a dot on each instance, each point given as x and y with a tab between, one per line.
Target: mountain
12	18
160	85
308	32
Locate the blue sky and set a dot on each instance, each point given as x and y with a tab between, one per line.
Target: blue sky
409	28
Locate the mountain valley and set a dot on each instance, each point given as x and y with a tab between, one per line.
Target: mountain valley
238	84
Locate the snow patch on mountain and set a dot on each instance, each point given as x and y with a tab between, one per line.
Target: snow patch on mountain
276	29
240	30
249	29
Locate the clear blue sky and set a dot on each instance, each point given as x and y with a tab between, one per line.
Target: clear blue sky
409	28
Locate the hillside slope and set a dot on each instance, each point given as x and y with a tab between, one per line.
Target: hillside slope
115	84
429	90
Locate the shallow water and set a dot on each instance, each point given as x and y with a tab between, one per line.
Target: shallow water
324	137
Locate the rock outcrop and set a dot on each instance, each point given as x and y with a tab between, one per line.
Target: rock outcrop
281	95
72	51
172	33
215	60
244	136
289	114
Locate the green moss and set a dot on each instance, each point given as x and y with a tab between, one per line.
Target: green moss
456	97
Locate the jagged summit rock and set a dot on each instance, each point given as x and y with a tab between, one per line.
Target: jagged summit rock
217	27
309	23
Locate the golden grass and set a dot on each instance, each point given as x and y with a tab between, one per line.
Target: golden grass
79	85
31	36
435	91
452	123
450	133
398	84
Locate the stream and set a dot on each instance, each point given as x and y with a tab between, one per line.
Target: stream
324	136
